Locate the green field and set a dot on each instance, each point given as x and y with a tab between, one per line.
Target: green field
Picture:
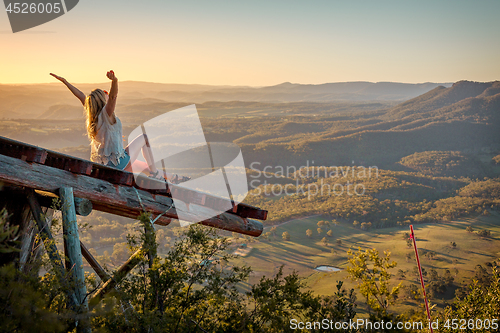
303	254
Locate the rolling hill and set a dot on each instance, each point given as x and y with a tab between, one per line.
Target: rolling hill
32	100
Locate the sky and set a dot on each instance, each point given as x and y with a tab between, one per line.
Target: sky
258	43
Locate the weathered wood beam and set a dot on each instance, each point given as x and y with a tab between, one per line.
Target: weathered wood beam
115	199
187	195
50	246
74	254
72	240
83	206
75	165
94	263
31	246
117	277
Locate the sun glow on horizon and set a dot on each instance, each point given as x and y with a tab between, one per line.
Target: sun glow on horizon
258	44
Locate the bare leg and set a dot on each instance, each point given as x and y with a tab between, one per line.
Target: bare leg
137	166
137	145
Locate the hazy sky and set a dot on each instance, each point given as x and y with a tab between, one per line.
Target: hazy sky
259	42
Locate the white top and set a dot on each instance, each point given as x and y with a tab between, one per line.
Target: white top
107	144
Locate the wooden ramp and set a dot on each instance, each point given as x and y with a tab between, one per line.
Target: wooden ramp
115	191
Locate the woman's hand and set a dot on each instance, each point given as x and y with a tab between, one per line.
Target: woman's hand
113	93
60	78
111	76
78	94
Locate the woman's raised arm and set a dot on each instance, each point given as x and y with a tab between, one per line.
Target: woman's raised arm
78	94
113	93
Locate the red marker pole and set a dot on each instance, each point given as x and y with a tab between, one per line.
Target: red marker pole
412	236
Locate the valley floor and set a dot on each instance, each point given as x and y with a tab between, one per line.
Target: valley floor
302	253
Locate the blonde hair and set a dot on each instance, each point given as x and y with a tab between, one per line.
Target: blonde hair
94	103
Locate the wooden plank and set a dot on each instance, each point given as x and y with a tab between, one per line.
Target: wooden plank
68	163
112	175
31	153
85	167
23	151
115	199
245	210
196	197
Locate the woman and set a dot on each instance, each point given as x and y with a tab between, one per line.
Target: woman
104	130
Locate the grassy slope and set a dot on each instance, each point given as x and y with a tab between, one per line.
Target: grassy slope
303	253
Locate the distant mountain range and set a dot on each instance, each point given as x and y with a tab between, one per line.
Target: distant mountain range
292	92
464	117
34	100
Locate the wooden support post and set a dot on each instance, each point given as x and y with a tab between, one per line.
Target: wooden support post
35	248
50	245
74	254
117	277
93	263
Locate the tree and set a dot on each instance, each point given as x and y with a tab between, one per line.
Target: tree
182	293
484	233
309	233
329	233
371	271
415	272
355	224
191	289
325	241
480	302
120	253
321	224
433	274
448	278
453	245
339	242
319	231
30	303
482	276
469	229
412	292
273	301
286	236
